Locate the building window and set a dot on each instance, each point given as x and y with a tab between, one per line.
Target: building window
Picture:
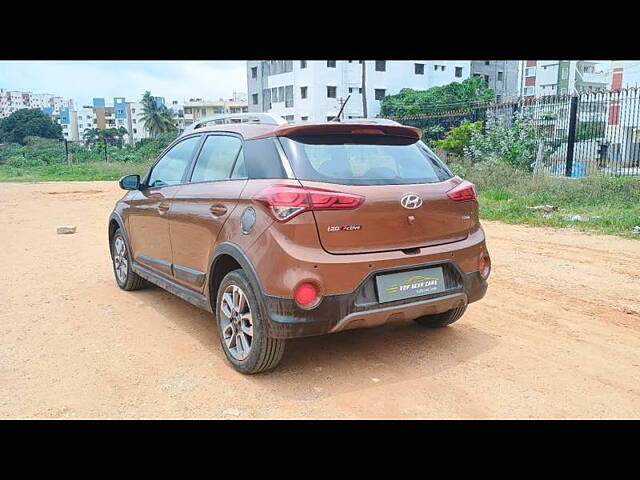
281	94
254	98
458	72
303	92
379	93
254	72
331	92
360	90
500	76
381	66
303	64
529	91
487	62
288	97
350	90
419	68
135	130
331	64
530	72
498	98
304	119
331	117
486	80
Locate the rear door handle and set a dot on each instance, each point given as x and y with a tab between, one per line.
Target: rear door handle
163	208
217	209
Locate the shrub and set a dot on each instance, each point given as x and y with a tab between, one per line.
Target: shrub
458	138
514	143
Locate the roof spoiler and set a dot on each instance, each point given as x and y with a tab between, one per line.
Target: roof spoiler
350	128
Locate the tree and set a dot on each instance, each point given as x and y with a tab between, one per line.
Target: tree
157	119
28	123
120	134
454	96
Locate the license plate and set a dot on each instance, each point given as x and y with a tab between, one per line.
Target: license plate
401	285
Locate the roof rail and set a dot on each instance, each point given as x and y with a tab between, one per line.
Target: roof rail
263	118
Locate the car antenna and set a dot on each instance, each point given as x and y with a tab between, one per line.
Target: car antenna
337	117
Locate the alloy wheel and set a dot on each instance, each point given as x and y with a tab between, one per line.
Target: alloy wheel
236	322
120	261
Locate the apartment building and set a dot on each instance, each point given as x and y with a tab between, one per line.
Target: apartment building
314	90
10	101
198	108
558	77
499	75
623	118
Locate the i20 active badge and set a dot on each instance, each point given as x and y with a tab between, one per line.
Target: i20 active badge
411	201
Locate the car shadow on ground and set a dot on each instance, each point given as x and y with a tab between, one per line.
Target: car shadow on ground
323	366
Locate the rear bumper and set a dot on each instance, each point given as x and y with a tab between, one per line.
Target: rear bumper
361	309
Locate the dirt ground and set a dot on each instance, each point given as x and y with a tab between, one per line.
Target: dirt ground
557	336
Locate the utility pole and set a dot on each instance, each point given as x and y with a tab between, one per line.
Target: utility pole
66	150
340	116
106	160
364	90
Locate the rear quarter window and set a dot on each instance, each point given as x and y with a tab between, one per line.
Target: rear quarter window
363	160
261	159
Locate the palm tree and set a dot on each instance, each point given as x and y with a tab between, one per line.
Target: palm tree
157	119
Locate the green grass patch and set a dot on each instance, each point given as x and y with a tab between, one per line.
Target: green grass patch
63	173
609	205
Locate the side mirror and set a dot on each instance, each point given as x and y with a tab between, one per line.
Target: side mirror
130	182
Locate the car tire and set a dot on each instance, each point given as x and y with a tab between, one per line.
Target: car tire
126	278
240	325
443	319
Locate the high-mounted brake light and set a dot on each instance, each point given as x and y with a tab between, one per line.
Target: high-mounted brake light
464	191
285	201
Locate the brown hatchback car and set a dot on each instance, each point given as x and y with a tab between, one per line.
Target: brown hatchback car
291	230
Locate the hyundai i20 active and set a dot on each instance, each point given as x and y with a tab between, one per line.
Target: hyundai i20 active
292	230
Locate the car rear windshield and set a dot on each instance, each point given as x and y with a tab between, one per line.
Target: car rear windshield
363	160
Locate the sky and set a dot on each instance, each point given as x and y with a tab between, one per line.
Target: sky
84	80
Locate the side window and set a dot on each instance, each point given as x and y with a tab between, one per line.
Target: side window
170	168
239	170
216	158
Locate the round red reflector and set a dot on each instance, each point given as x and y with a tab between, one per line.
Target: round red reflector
306	294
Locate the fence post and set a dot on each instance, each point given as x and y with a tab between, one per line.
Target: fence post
571	138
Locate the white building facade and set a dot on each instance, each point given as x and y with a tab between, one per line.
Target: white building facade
560	77
314	90
10	101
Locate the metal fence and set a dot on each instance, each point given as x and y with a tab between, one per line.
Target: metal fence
591	133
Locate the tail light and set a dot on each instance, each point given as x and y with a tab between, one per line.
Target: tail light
484	265
285	202
464	191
